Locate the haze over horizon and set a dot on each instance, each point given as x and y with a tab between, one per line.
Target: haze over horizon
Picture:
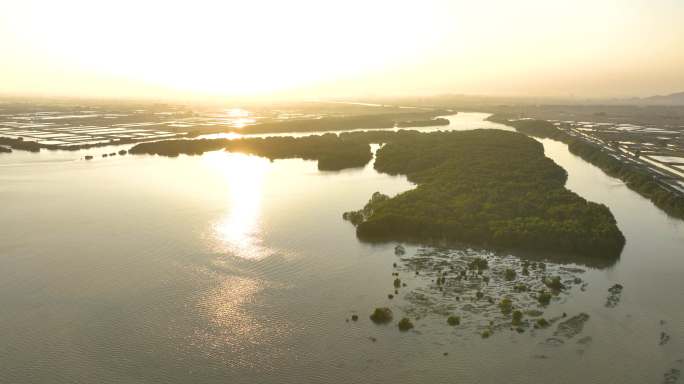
312	48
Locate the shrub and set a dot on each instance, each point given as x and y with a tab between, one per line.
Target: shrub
554	283
544	298
381	315
517	317
399	250
453	320
542	323
405	324
478	263
506	306
509	274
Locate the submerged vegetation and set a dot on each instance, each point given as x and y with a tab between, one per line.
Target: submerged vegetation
483	301
572	326
484	187
636	178
614	296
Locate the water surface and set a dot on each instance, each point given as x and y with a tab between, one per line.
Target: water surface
231	268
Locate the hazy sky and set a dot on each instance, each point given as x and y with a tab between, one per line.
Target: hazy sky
324	48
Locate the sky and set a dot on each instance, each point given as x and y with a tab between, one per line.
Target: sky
335	48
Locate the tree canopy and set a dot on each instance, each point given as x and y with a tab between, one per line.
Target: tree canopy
485	187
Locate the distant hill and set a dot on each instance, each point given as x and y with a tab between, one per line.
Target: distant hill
672	99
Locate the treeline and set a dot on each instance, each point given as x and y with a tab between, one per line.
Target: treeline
177	147
32	146
331	151
423	123
635	177
340	123
485	187
5	150
20	144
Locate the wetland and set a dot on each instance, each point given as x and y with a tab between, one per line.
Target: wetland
255	277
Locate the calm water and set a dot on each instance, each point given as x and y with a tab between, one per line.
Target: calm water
226	268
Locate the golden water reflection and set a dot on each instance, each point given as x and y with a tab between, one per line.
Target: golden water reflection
237	331
239	232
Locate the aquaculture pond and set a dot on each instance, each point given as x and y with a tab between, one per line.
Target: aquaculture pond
233	268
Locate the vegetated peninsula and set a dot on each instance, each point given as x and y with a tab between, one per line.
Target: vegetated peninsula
484	187
332	151
637	179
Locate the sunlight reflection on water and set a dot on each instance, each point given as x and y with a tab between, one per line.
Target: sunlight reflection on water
235	334
239	231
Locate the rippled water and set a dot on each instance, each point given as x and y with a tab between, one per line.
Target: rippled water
231	268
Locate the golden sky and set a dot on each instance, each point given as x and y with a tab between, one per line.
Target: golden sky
318	48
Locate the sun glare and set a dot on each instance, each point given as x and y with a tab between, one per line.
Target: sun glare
223	47
239	231
328	48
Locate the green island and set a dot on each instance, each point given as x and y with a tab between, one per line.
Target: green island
484	187
636	179
332	151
